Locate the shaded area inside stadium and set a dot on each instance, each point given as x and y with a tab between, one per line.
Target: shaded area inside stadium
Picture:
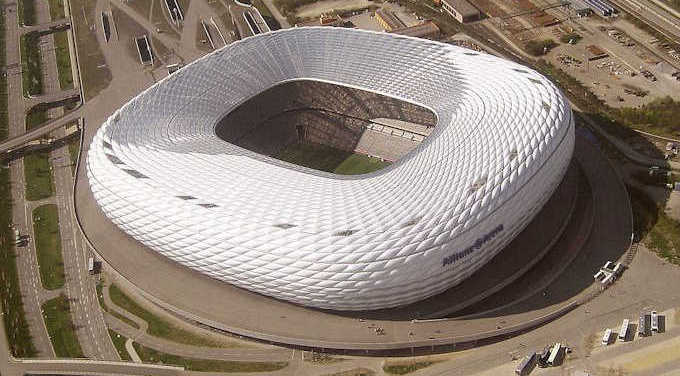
322	126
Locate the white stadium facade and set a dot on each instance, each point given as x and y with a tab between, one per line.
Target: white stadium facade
502	140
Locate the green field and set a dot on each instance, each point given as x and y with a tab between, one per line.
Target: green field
357	164
48	246
102	303
35	117
149	355
38	175
73	151
119	342
57	315
57	9
326	158
659	232
63	60
26	11
157	326
31	64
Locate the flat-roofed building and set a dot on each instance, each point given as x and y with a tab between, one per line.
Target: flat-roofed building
427	29
388	20
462	10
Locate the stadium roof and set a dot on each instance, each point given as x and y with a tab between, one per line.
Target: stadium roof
503	140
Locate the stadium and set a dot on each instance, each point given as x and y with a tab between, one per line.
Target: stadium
188	167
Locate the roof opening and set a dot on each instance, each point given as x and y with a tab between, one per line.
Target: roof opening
327	127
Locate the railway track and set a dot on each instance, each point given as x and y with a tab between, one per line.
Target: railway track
652	15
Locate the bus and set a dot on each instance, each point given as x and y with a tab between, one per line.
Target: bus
527	365
623	333
606	338
555	355
643	325
90	265
655	321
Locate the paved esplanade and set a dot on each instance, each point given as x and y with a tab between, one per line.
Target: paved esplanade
409	231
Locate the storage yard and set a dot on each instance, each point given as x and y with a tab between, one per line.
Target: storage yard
622	64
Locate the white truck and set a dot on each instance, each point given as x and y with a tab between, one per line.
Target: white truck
623	333
606	338
655	321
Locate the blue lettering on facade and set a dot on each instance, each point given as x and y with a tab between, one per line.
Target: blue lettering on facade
448	260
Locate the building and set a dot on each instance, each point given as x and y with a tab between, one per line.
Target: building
427	30
462	10
158	169
580	8
328	20
388	20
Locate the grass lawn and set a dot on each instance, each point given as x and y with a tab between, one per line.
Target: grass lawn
57	315
93	70
31	64
39	184
119	342
149	355
26	11
404	368
57	9
659	117
63	60
157	326
35	117
73	150
102	303
664	238
659	232
48	246
326	158
360	164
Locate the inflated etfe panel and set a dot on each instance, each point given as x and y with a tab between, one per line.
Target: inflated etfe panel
503	140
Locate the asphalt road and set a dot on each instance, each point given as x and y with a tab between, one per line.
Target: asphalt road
85	312
29	279
79	287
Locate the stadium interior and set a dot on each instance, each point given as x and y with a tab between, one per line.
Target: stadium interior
305	121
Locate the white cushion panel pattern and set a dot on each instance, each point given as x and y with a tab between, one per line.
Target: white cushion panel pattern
503	140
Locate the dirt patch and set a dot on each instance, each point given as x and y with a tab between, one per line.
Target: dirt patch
316	9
